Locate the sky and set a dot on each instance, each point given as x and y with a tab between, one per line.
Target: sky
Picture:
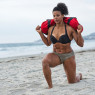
19	18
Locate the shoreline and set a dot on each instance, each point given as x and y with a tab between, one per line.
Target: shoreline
23	75
31	55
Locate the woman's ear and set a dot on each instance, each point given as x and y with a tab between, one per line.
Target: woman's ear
63	15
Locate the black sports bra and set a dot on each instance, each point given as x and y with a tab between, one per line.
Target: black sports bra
62	39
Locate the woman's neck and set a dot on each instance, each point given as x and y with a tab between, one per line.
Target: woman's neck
60	24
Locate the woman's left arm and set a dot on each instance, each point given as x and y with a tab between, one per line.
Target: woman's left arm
78	37
80	27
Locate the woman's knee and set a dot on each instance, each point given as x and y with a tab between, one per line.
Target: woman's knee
71	78
46	61
75	79
71	81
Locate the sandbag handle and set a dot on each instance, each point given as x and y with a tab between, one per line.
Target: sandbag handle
69	20
49	20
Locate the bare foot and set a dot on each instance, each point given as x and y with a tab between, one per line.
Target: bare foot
80	76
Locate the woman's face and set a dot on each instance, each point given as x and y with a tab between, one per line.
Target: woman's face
57	16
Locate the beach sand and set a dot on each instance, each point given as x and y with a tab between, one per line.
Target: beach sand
23	76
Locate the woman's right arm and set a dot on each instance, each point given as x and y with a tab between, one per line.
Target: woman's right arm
46	40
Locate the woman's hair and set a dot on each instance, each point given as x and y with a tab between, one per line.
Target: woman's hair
62	8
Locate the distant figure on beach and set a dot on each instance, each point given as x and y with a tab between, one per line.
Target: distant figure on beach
61	36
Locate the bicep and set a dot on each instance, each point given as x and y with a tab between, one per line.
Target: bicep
48	36
74	34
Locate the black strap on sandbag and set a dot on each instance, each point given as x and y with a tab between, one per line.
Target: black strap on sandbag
49	20
69	20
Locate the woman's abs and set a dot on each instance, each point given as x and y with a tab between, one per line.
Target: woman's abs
62	48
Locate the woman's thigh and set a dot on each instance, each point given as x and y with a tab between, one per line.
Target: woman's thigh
51	59
70	69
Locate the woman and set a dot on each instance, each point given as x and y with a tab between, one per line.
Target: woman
61	36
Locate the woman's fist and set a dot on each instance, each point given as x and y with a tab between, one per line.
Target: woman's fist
38	29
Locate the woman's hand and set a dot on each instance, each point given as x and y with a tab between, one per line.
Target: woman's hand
38	29
79	30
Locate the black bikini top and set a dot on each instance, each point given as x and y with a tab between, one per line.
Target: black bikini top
62	39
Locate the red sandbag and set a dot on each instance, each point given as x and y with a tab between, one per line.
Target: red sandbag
72	21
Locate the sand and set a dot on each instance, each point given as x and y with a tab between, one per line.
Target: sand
23	76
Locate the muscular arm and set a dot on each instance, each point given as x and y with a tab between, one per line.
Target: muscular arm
45	39
80	27
78	37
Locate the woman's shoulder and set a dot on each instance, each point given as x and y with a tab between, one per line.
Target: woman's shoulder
69	28
50	28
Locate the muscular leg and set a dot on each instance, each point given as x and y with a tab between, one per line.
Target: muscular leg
51	60
70	69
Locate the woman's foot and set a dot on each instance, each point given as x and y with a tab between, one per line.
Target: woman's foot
80	76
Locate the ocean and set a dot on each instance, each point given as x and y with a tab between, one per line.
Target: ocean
37	47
